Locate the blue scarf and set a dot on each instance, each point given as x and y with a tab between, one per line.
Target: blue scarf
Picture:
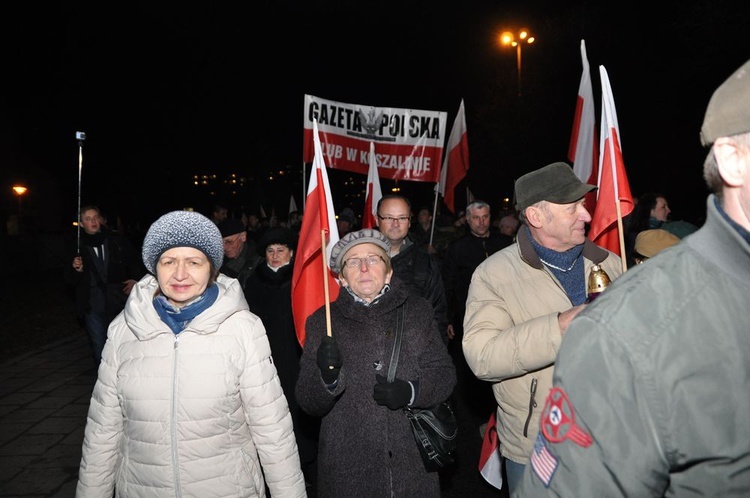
572	280
179	318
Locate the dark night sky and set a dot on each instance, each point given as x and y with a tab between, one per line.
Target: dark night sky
163	92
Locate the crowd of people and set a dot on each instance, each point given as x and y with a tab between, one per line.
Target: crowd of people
204	389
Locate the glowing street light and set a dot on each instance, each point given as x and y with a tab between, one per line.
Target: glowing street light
20	191
510	39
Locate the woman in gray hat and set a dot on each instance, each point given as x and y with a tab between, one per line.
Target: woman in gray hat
366	444
188	401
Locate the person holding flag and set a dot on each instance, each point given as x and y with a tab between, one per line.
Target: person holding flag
366	444
650	392
522	298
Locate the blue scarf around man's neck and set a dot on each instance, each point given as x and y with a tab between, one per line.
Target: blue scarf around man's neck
572	280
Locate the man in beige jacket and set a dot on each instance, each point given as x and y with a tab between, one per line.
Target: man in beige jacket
522	298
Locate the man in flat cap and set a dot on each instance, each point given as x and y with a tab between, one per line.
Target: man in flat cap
522	298
654	376
240	256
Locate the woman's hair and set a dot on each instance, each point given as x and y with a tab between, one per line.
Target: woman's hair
638	219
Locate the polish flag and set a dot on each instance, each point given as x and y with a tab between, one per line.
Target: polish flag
614	200
490	461
310	268
456	162
374	194
584	151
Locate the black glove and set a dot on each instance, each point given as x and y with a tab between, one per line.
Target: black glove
394	395
329	360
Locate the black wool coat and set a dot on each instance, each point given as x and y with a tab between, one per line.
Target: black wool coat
123	262
367	449
269	295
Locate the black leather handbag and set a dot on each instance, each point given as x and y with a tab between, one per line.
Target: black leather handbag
435	429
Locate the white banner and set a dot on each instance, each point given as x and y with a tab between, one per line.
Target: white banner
409	142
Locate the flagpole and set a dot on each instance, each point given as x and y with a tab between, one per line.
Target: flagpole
304	187
325	283
622	236
434	215
81	136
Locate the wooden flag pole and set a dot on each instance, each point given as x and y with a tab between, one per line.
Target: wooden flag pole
325	282
621	235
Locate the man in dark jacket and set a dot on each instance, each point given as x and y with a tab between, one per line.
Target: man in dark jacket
417	269
105	267
462	257
240	256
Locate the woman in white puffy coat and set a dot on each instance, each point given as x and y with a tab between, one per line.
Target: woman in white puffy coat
188	402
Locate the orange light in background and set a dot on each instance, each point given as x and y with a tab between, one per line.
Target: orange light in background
517	40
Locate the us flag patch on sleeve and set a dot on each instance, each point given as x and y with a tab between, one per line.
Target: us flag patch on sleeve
543	462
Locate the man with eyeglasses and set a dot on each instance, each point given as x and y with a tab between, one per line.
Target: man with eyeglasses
240	256
411	264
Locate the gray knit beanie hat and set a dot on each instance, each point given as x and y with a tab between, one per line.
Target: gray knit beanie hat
182	229
351	239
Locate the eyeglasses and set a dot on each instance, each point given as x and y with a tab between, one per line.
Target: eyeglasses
357	262
391	219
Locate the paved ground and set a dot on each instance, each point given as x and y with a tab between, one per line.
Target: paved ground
44	398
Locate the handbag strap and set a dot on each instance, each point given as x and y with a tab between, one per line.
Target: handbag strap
396	344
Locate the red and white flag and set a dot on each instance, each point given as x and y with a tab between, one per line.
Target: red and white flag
583	151
374	194
456	161
308	286
490	461
614	200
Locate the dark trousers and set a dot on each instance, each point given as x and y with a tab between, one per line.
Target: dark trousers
96	325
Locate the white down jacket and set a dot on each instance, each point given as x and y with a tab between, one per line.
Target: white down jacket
194	414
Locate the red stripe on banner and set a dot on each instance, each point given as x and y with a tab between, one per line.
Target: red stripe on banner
396	162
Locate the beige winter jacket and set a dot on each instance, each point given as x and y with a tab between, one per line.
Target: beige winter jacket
511	334
194	414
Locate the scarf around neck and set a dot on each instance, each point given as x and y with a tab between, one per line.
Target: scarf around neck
178	318
573	277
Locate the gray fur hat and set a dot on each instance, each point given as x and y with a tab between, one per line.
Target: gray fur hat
182	229
351	239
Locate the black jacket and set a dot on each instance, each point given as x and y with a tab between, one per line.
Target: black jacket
122	262
421	274
461	259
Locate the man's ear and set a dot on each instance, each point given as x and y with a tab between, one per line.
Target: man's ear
731	162
534	216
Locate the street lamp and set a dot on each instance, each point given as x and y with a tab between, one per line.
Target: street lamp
509	39
20	191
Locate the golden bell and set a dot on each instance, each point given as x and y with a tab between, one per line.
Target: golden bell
598	281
